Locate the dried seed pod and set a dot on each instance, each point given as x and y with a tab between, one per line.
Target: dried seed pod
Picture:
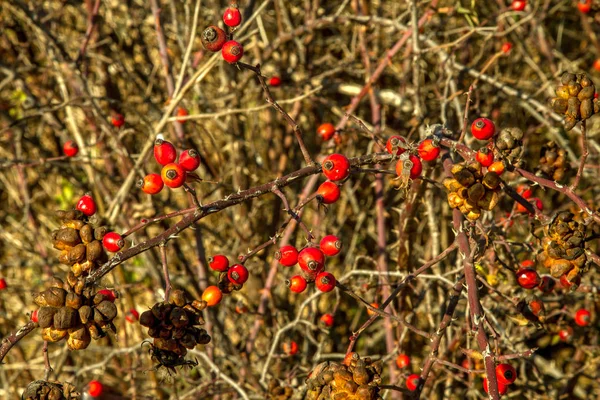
569	123
574	88
567	77
454	200
562	92
360	374
107	309
65	238
573	107
53	335
100	232
86	233
85	314
476	192
188	340
74	300
451	184
77	270
79	338
56	282
79	286
596	106
559	267
489	201
46	316
93	250
587	93
95	332
178	317
147	319
202	337
199	304
586	109
559	105
52	297
465	177
77	254
66	318
177	297
474	214
491	180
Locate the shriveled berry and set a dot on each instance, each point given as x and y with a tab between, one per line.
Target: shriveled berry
218	262
232	51
528	278
328	192
189	160
113	242
415	169
311	260
326	131
173	175
232	17
296	283
336	167
325	282
287	256
213	38
330	245
483	128
151	184
583	317
547	284
70	148
237	274
429	150
164	152
86	205
396	142
506	374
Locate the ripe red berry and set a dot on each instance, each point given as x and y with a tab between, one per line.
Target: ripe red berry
583	317
527	263
396	142
108	294
311	260
328	192
336	167
287	256
86	205
565	334
95	388
327	320
275	81
506	47
412	382
528	278
70	148
232	51
326	131
213	38
189	160
151	184
173	175
483	128
118	120
525	192
518	5
164	152
237	274
502	388
547	284
34	316
132	316
218	262
113	242
290	348
232	17
330	245
585	6
506	374
429	150
535	306
182	112
296	283
3	284
485	157
415	169
402	361
325	282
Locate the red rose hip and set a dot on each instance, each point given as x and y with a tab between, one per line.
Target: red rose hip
237	274
70	148
330	245
528	278
86	205
218	262
113	242
483	128
287	256
164	152
336	167
232	51
325	282
328	192
189	160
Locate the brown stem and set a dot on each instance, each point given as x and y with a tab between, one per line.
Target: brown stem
163	259
584	154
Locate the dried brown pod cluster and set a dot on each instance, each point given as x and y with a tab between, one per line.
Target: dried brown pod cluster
356	379
509	144
575	99
553	162
276	391
471	191
174	325
563	247
44	390
78	317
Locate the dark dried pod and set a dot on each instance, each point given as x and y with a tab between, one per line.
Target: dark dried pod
188	341
154	331
567	77
66	318
202	337
147	319
166	344
79	339
77	254
74	300
161	311
93	250
55	393
177	297
586	109
86	233
491	180
194	316
573	107
465	177
79	286
107	309
95	332
76	224
164	333
53	297
179	318
199	304
56	282
178	333
65	238
587	93
559	267
53	335
365	393
360	374
85	314
63	257
100	232
46	316
213	38
109	327
73	214
569	123
596	106
476	192
559	105
342	375
585	80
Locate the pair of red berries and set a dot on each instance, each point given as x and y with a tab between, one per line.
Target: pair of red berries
112	241
397	146
324	281
237	273
506	374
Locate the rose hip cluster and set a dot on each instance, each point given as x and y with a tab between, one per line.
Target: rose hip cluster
215	38
173	173
230	278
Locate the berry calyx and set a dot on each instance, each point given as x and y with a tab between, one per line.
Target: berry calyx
132	316
164	152
70	148
173	175
3	284
182	112
528	278
506	374
396	142
328	192
113	242
34	316
290	348
86	205
237	274
232	17
502	388
325	282
402	361
189	160
336	167
485	157
583	317
326	131
218	262
108	294
483	128
296	283
151	184
506	47
287	256
213	38
327	320
429	150
585	6
275	81
416	167
232	51
95	388
311	260
331	245
212	295
518	5
118	120
412	382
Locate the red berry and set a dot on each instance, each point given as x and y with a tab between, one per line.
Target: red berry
232	17
118	120
218	263
336	167
536	306
113	242
565	334
429	150
151	184
583	317
287	256
275	81
370	312
327	320
237	274
570	284
506	47
331	245
290	348
584	6
506	374
182	112
527	263
402	361
95	388
70	148
325	282
485	157
34	316
326	131
132	316
296	283
525	192
164	152
173	175
528	278
483	128
396	142
497	167
328	192
3	284
86	205
412	382
311	260
502	388
189	160
415	169
213	38
547	284
232	51
108	294
518	5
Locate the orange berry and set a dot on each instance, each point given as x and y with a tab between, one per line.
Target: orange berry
212	296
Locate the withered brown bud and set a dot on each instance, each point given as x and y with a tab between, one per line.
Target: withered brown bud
188	341
86	233
46	316
79	286
77	254
177	297
79	339
66	318
100	232
56	282
95	332
53	297
107	309
178	317
93	250
147	319
85	313
74	300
